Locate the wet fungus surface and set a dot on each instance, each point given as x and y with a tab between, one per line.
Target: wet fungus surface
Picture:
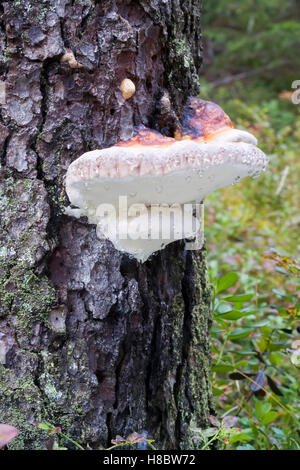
150	170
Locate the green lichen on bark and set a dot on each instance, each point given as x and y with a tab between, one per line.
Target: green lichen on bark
200	352
20	399
95	343
24	214
182	60
194	386
25	301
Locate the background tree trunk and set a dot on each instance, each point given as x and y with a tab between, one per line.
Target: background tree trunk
91	340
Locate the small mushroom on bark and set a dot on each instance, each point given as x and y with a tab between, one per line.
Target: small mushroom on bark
69	58
153	170
127	88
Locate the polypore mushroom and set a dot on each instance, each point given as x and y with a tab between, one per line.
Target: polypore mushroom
151	169
204	121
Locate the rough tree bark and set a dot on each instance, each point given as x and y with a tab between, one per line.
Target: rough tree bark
91	340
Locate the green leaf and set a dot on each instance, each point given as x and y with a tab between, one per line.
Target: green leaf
239	437
217	391
260	324
240	333
239	298
221	322
45	426
223	368
266	330
268	418
275	359
277	345
242	352
214	330
242	363
233	315
261	409
226	281
224	308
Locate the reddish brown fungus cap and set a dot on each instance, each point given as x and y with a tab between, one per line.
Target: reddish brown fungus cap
202	120
144	137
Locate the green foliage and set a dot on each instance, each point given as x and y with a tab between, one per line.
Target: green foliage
252	229
248	35
223	430
52	430
253	371
131	441
56	432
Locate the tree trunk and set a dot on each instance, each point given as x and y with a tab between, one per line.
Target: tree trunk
90	339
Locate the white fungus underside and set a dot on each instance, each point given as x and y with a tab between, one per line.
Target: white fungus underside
146	233
177	187
185	172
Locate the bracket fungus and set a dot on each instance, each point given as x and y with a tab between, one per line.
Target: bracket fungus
151	171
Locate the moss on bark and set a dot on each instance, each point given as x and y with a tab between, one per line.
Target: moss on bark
94	342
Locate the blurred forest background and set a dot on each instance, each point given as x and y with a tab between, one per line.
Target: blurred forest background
252	57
